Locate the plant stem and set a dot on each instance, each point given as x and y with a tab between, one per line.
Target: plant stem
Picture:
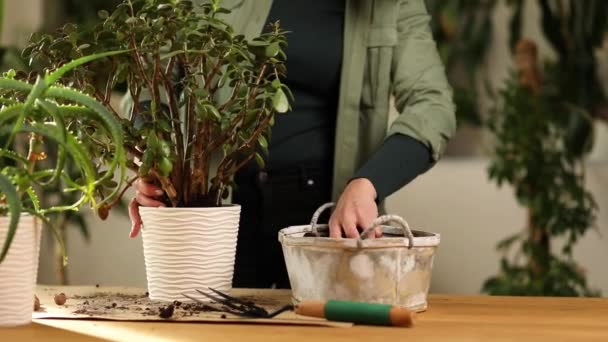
122	193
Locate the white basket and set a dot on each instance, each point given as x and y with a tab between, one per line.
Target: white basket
395	269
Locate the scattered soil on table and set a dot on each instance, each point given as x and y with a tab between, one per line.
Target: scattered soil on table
36	303
106	304
167	312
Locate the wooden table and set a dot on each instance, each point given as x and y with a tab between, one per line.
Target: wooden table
449	318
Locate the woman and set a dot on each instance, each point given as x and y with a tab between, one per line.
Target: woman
345	60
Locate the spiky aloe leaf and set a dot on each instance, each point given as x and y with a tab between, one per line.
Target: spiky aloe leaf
37	91
53	110
74	148
12	155
9	113
101	114
31	193
54	76
9	192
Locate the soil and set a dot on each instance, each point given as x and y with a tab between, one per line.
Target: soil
167	312
107	304
60	299
36	303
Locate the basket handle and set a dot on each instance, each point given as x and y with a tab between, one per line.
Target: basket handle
316	215
390	218
377	222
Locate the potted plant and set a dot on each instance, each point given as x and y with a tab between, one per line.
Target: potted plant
203	103
540	152
34	116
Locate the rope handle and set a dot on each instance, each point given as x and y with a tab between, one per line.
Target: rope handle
407	232
316	215
382	220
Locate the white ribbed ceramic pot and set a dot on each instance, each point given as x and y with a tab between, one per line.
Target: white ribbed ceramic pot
18	272
189	248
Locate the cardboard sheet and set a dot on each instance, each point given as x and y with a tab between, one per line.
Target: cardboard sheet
133	304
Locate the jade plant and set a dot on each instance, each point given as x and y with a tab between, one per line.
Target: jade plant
463	32
40	113
203	98
537	152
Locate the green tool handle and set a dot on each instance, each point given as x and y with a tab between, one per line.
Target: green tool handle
357	312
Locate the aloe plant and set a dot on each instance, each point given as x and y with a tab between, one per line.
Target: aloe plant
47	112
199	90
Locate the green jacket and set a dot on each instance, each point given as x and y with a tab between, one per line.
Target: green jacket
388	50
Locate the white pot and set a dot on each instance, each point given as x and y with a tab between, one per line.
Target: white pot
189	248
18	271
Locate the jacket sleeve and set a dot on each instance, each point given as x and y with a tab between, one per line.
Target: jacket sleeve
423	96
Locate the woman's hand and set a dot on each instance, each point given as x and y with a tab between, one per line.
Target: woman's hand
356	209
145	194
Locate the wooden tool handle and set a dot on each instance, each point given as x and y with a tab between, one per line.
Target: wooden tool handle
402	317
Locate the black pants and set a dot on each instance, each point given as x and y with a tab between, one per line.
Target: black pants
272	200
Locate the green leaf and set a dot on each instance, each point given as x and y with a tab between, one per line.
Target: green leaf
12	155
165	166
53	110
33	198
164	7
8	113
74	148
146	162
153	143
103	14
37	90
260	161
171	54
276	83
14	206
99	113
200	93
131	20
258	43
263	144
210	109
506	243
83	47
165	149
280	102
272	50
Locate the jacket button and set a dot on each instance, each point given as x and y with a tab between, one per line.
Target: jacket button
262	177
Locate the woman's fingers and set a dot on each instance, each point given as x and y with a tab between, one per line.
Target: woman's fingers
148	189
144	196
350	229
135	218
379	232
147	201
335	229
